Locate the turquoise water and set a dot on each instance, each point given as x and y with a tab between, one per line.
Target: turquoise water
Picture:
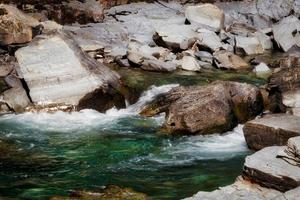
45	154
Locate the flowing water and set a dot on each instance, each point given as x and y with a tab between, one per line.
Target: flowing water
45	154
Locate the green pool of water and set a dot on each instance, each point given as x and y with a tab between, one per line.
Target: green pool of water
43	155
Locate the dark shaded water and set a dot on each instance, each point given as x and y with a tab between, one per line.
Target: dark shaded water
42	154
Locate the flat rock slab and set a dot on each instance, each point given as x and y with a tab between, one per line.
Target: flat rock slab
265	168
271	130
57	71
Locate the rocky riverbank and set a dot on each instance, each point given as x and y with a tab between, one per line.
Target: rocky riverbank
64	55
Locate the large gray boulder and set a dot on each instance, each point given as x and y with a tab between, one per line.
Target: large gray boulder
265	168
271	130
207	15
58	72
228	60
275	9
224	103
286	33
248	45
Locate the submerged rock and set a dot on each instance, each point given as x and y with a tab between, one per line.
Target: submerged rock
207	15
270	130
61	73
224	104
265	168
16	27
108	193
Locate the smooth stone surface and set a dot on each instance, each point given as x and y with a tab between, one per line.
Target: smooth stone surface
159	66
261	68
248	45
275	9
61	73
265	168
271	130
286	33
208	15
16	98
190	63
240	190
208	40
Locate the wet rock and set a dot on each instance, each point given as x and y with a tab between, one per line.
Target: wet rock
275	9
108	193
228	60
270	130
190	63
61	73
175	37
266	169
286	33
224	104
206	15
240	190
16	27
159	66
248	45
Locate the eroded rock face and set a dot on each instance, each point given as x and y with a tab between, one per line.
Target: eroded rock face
224	104
274	129
61	73
15	26
265	168
207	15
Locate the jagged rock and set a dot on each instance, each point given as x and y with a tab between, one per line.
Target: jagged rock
291	153
286	33
265	40
175	37
204	56
284	84
16	27
248	45
241	29
61	73
264	168
261	68
207	15
240	190
228	60
7	64
158	65
108	193
190	63
224	104
208	40
270	130
275	9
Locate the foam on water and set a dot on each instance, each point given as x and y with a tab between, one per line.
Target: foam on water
84	119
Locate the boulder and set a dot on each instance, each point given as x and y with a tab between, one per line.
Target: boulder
289	195
241	29
241	189
286	33
248	45
224	104
208	40
204	56
291	153
265	40
206	15
190	63
261	68
175	37
291	99
271	130
264	168
60	73
228	60
159	66
16	27
275	9
7	64
16	98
